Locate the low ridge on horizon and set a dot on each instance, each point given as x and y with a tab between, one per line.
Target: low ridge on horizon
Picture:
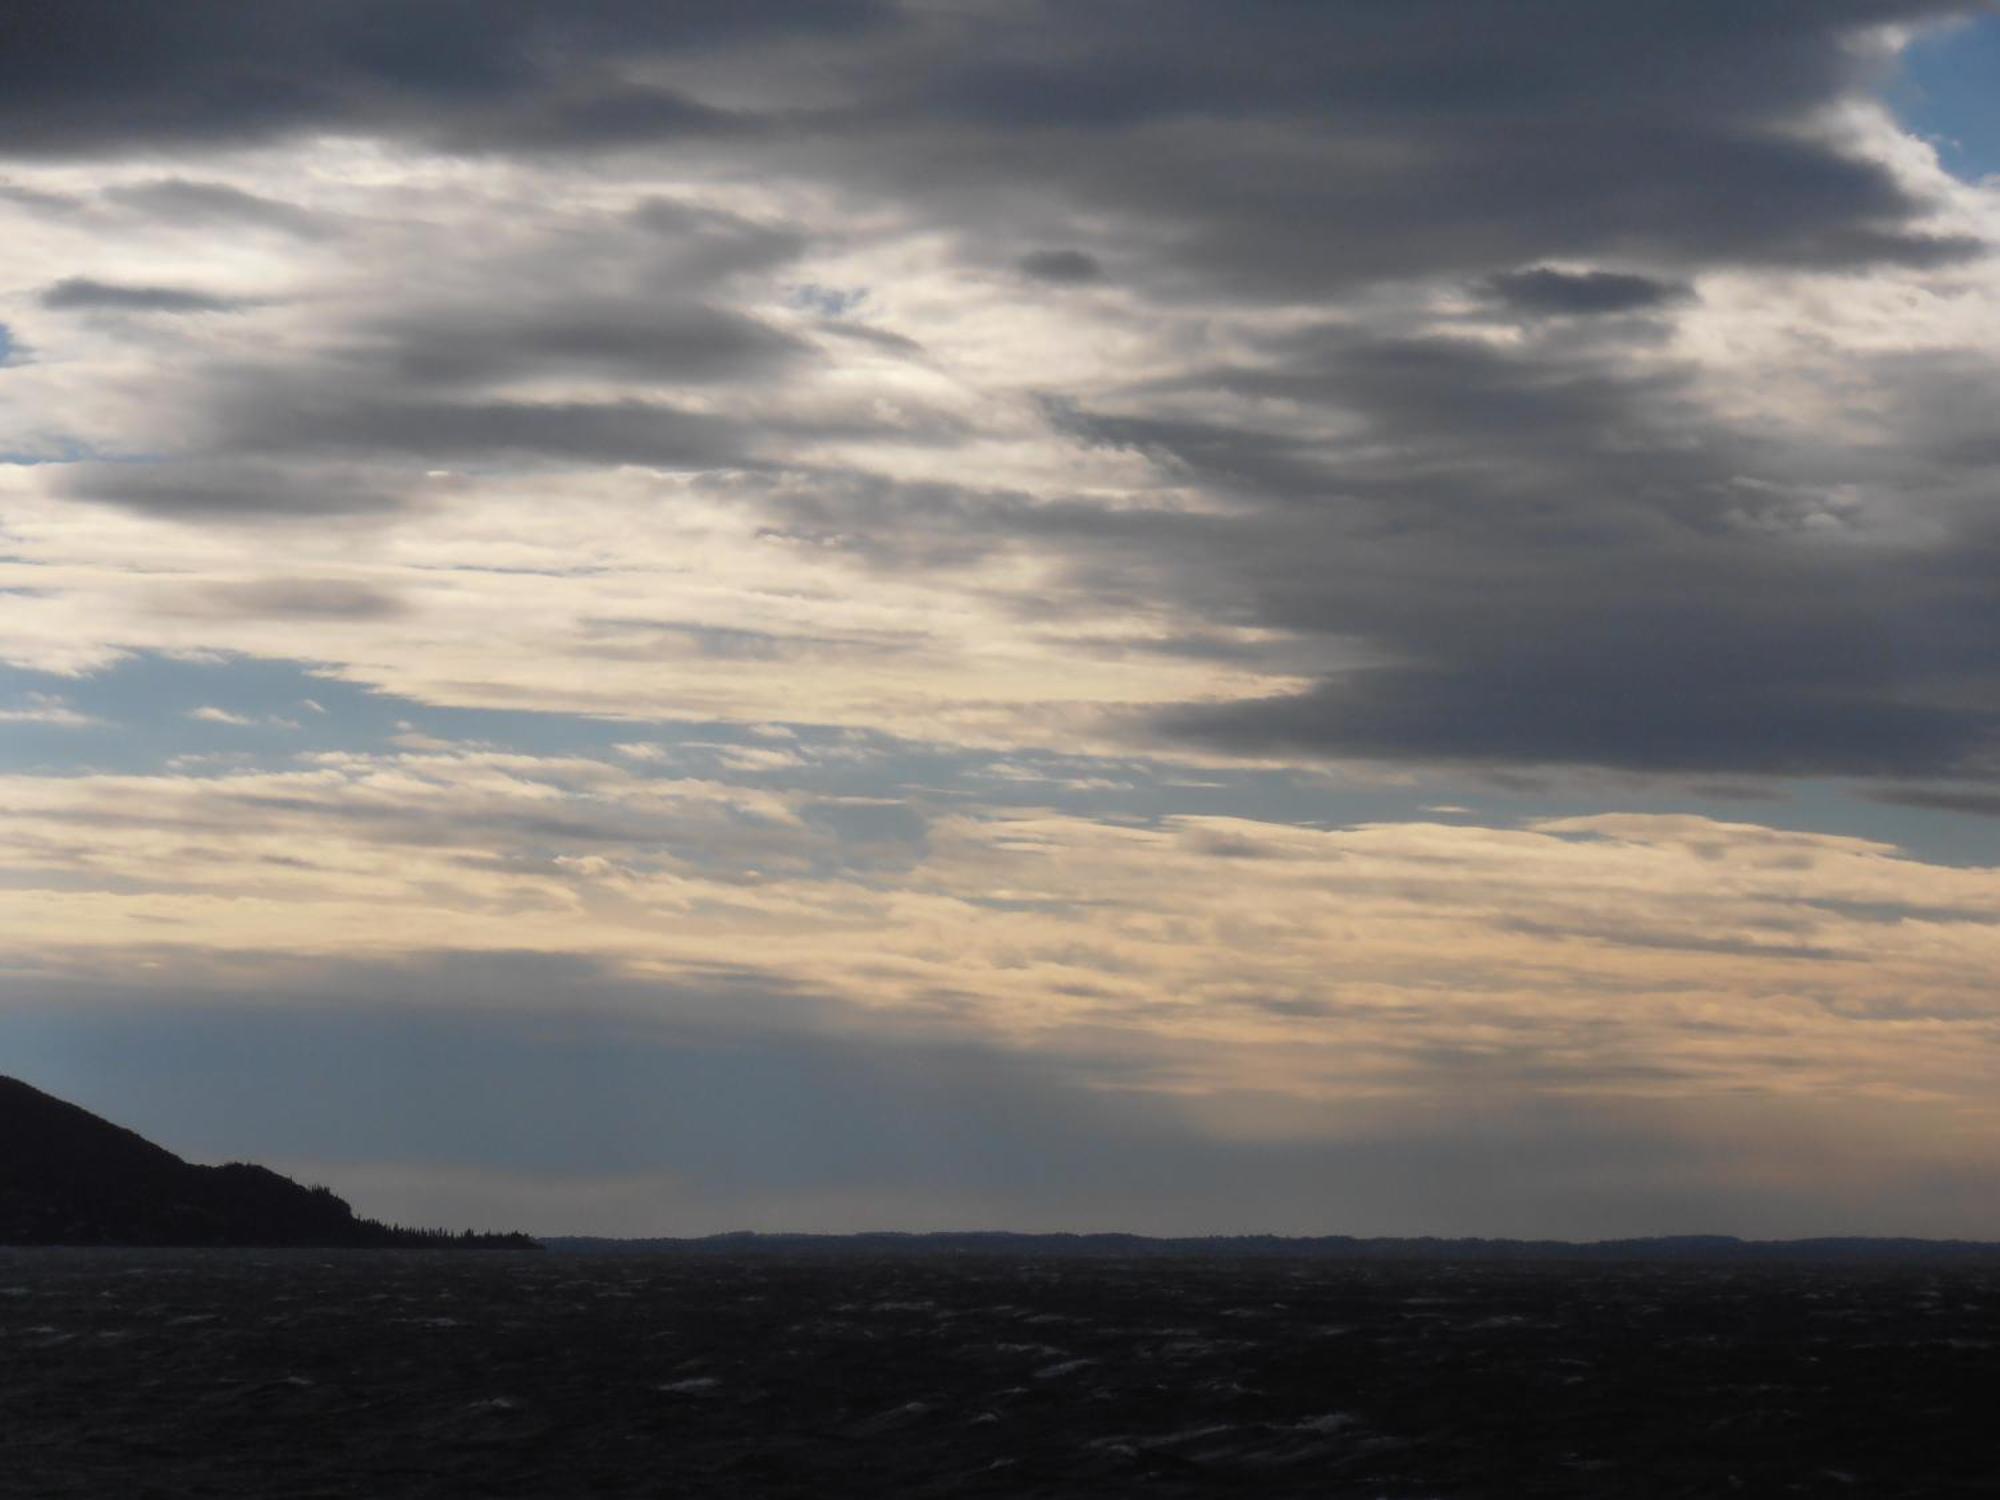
71	1177
1113	1244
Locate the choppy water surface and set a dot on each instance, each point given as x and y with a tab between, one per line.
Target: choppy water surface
381	1373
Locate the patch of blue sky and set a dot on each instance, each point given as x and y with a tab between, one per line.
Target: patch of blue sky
52	448
67	448
1949	93
1937	835
152	713
148	713
827	301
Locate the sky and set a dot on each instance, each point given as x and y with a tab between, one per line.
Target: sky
1374	618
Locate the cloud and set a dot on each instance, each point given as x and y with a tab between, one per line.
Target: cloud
361	425
1064	267
661	1116
1411	527
660	345
704	243
1272	149
299	598
1546	291
110	73
209	714
1606	713
1978	804
1293	960
50	709
213	490
80	293
1362	441
1540	554
981	527
196	203
1267	144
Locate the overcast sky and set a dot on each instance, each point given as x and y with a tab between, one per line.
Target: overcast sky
1379	616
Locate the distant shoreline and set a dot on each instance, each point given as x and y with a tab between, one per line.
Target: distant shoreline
75	1180
1685	1250
1679	1249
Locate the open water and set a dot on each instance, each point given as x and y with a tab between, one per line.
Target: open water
412	1373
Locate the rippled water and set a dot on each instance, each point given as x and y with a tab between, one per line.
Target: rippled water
225	1373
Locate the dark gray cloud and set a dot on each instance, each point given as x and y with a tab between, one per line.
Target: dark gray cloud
225	489
81	293
607	117
1280	146
352	422
667	345
99	75
1536	558
1063	267
1970	801
696	244
1285	150
300	599
1224	457
1532	555
214	204
1550	551
1610	712
347	421
1543	290
56	205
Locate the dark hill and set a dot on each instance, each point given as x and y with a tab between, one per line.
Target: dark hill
70	1178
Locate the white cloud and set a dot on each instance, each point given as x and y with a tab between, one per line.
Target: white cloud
48	708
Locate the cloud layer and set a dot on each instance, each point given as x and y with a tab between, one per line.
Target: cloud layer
1563	404
1278	979
1393	356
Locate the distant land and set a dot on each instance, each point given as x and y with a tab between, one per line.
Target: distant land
68	1177
1708	1249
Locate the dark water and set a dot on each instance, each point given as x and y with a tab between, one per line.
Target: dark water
386	1373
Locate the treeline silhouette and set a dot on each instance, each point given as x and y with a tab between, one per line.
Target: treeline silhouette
68	1177
454	1239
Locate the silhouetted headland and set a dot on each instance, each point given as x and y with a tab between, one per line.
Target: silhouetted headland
68	1177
